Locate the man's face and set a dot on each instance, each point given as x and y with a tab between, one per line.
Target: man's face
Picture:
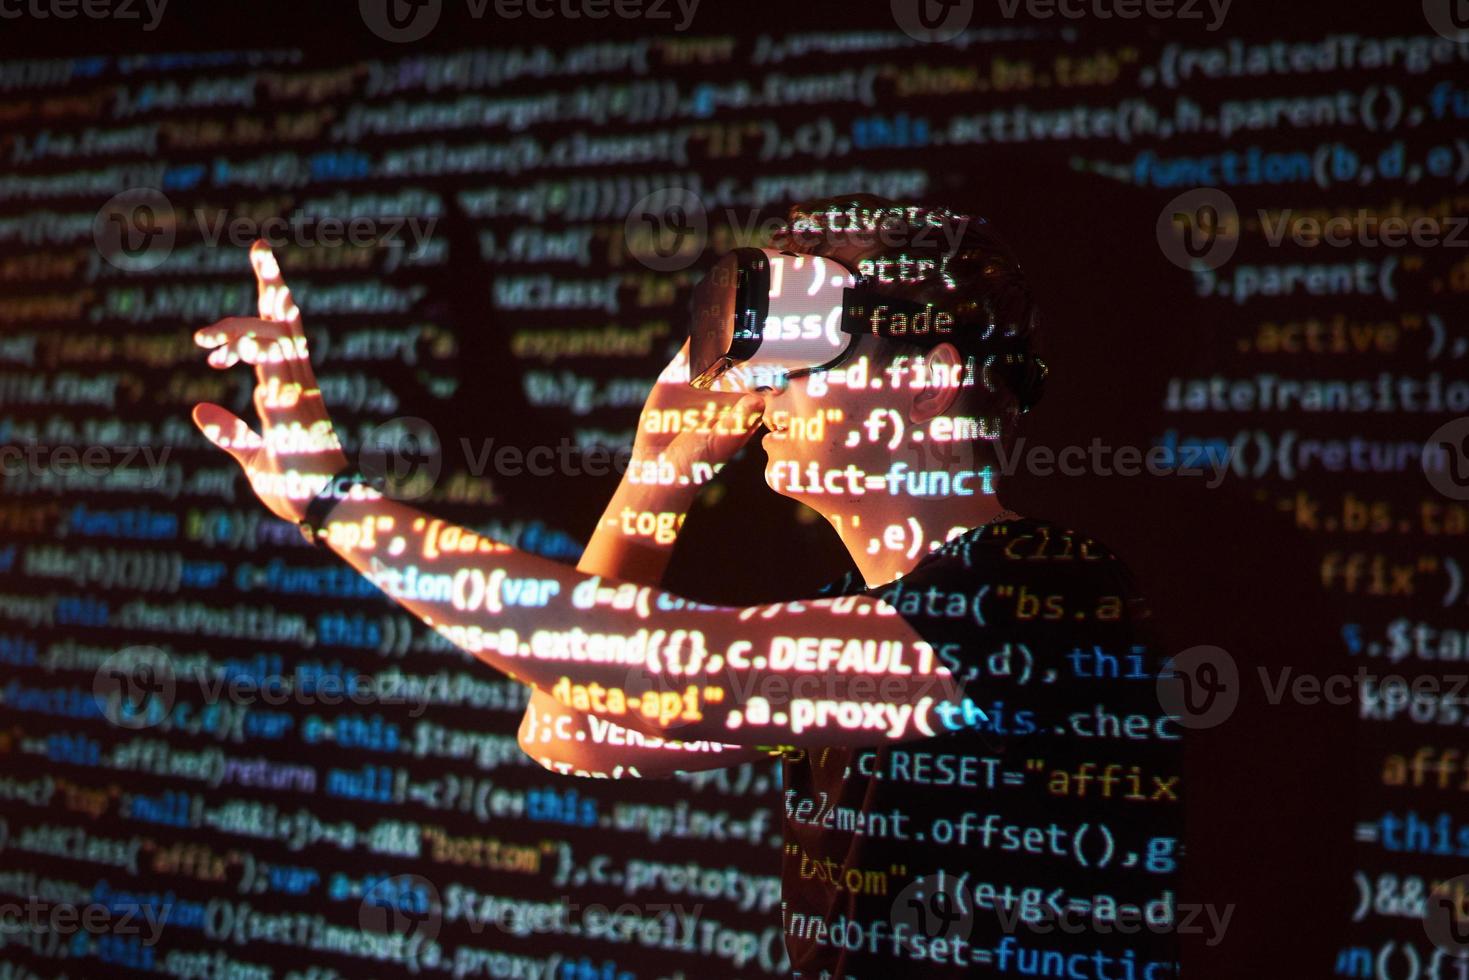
839	437
816	445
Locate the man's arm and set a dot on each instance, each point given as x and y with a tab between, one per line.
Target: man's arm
683	438
568	741
822	672
579	744
843	671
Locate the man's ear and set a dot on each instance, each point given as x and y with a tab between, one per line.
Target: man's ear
942	375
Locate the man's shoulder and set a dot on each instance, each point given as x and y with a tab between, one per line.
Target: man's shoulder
1020	552
1021	549
1026	576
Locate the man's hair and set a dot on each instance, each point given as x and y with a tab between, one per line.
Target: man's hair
957	263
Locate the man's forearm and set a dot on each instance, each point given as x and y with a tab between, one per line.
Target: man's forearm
634	538
534	619
472	589
577	744
819	672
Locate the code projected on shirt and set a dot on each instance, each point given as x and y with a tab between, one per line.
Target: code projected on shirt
228	753
1043	826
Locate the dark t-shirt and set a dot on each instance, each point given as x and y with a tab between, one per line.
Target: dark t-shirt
1041	835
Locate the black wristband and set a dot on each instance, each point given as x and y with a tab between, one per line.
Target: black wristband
337	489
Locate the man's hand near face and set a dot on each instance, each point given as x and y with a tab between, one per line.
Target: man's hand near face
683	438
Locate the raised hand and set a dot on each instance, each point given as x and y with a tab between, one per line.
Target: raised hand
297	450
686	426
684	436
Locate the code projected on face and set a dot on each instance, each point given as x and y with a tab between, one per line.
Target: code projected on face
227	753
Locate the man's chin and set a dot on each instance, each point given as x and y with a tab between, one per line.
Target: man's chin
778	481
771	482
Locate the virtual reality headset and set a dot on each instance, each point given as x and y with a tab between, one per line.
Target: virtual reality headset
762	316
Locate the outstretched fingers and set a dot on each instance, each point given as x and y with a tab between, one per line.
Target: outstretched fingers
275	304
274	300
248	339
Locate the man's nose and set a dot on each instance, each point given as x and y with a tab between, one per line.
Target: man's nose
771	384
772	398
769	405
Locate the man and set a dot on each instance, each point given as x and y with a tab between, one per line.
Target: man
977	776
